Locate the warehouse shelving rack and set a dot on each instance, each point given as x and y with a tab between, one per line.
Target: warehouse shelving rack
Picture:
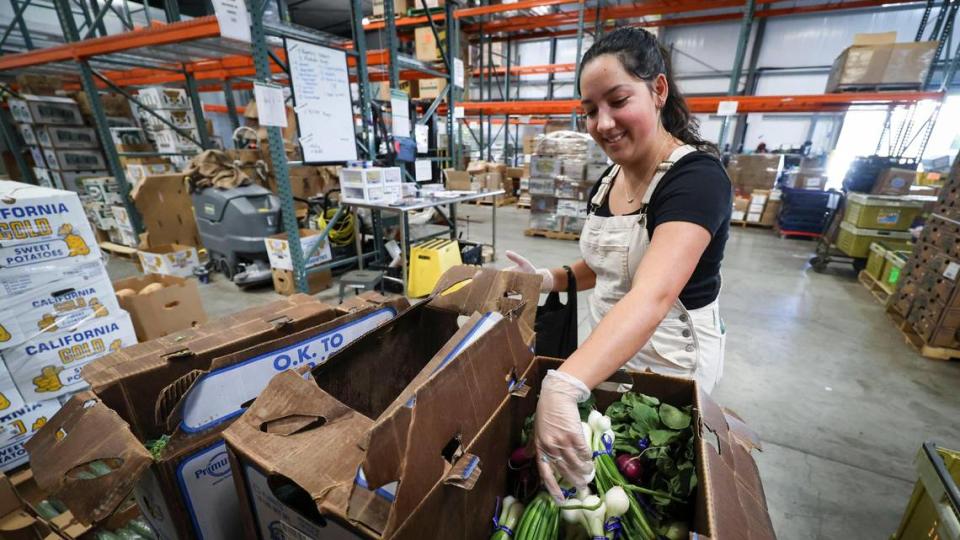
521	25
194	53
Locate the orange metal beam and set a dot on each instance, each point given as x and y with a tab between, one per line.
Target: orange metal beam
520	23
708	104
405	21
502	8
528	70
199	28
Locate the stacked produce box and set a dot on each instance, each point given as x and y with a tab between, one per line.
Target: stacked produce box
63	149
563	168
875	218
60	311
927	295
173	105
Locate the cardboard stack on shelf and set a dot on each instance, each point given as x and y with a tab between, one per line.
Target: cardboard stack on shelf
64	150
173	105
748	172
563	168
878	61
927	296
60	311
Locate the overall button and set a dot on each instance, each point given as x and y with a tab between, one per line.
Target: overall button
683	317
689	348
686	333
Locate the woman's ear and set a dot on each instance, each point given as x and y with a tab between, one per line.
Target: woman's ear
661	90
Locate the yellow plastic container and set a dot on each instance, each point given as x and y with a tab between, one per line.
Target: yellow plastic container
855	241
876	260
881	211
927	511
894	261
428	261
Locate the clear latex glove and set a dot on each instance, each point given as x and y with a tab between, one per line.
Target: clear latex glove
521	264
561	446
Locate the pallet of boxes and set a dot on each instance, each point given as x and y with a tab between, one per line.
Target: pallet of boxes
754	177
170	108
563	169
926	303
64	150
488	176
60	313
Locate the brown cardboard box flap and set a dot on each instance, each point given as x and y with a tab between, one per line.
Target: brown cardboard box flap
130	380
878	38
173	398
450	409
487	290
73	438
281	433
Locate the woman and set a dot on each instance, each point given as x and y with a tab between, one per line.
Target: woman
652	245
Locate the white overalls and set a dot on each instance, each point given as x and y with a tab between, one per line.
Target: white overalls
687	343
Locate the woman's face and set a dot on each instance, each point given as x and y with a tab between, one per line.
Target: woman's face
622	112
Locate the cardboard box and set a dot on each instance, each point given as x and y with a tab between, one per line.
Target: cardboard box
74	160
16	281
159	97
41	225
425	46
18	426
28	134
115	107
48	366
16	522
169	141
748	172
284	283
545	167
66	137
59	305
431	88
876	59
45	110
770	213
123	136
40	85
894	181
10	398
136	172
399	7
65	180
156	314
595	171
171	259
458	180
278	249
572	208
166	211
182	119
123	225
417	362
102	189
729	500
190	385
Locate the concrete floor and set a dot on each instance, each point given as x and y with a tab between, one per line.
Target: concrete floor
812	364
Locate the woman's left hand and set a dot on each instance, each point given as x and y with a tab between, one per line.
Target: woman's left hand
561	447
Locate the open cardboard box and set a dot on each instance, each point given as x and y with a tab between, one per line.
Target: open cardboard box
174	307
16	522
729	503
336	454
186	388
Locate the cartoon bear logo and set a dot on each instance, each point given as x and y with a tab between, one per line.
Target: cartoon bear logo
99	310
116	345
75	243
4	335
47	323
48	380
4	402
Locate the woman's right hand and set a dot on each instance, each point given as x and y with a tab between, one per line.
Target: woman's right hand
521	264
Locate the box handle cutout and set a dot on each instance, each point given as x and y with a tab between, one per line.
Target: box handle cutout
292	424
171	305
453	449
95	469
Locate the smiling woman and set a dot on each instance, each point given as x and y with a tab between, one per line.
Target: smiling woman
652	245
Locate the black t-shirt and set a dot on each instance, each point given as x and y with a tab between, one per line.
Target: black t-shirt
696	190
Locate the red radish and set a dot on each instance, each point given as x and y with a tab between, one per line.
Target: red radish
630	467
520	457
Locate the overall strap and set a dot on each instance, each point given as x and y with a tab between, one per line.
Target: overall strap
605	184
662	169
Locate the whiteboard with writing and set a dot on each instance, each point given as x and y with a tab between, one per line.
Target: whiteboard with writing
324	110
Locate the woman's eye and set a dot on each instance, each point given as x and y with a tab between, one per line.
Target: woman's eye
591	113
620	102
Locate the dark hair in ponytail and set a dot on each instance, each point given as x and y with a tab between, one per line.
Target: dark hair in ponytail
642	56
